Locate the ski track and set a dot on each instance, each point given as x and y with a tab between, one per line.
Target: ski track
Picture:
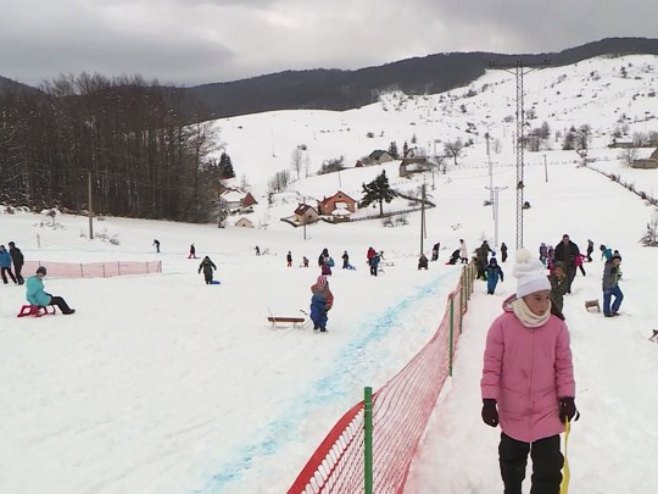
330	388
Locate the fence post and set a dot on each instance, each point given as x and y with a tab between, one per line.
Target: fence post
367	441
451	332
119	268
147	267
103	270
82	271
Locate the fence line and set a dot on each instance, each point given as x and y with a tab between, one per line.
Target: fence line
94	269
401	410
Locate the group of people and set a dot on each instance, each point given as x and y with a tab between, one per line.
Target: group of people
10	257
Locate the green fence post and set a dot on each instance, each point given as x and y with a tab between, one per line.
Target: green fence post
452	331
367	440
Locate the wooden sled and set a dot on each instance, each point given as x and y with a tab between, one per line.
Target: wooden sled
592	304
286	320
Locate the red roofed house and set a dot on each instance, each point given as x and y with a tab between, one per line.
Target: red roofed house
305	214
339	200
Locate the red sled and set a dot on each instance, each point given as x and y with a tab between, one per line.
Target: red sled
36	311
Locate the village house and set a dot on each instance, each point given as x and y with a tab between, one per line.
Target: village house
339	201
379	156
409	166
305	214
244	223
645	158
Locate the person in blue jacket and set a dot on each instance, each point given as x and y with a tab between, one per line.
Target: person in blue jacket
5	265
36	295
493	272
321	302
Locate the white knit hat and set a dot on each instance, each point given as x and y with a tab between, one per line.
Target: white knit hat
530	274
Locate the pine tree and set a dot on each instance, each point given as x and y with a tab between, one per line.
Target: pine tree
393	150
226	166
378	190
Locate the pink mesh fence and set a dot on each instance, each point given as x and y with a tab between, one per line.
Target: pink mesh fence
93	269
401	410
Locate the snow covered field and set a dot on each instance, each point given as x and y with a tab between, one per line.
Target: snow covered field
160	384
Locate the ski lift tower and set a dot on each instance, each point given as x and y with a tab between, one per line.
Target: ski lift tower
519	70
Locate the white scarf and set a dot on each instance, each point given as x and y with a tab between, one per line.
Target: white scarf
528	318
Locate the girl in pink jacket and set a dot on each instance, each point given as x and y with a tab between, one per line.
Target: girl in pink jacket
527	381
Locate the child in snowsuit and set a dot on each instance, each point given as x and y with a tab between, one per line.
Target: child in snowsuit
527	381
373	262
422	262
493	272
559	285
346	260
503	252
192	254
580	258
207	266
321	302
5	265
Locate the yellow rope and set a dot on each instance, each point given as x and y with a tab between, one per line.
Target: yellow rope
566	473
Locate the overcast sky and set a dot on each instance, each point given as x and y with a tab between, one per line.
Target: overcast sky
188	42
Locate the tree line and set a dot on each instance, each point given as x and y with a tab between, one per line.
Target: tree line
138	143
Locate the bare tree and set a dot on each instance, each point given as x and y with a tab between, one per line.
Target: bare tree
628	155
296	161
453	149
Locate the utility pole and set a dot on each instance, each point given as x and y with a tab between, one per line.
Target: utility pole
494	205
545	169
519	71
422	218
304	217
90	208
491	198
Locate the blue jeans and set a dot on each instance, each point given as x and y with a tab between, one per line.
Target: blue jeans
607	295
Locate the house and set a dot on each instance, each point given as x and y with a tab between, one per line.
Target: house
645	159
248	200
621	144
339	200
305	214
244	223
409	166
379	156
231	199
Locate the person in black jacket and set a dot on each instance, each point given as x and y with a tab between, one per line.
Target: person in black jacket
18	260
567	252
208	267
503	252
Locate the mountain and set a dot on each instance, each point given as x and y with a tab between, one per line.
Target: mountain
344	89
7	84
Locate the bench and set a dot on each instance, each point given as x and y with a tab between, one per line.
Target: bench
35	311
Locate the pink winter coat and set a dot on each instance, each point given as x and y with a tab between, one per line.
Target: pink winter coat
527	371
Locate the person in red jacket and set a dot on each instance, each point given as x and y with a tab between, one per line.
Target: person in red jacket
527	381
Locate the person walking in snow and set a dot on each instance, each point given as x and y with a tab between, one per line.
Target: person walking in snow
289	259
156	242
611	286
422	262
18	260
5	266
463	251
527	383
580	259
322	301
503	252
207	266
373	262
192	254
606	253
566	251
346	260
558	281
36	294
304	262
493	272
590	249
435	251
543	253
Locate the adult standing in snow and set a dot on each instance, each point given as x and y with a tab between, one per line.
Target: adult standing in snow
322	301
590	249
567	251
289	259
435	251
527	381
5	266
192	254
611	286
18	260
324	256
373	262
346	260
156	242
207	266
36	295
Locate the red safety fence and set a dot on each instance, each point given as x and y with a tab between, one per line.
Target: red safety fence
401	410
93	269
